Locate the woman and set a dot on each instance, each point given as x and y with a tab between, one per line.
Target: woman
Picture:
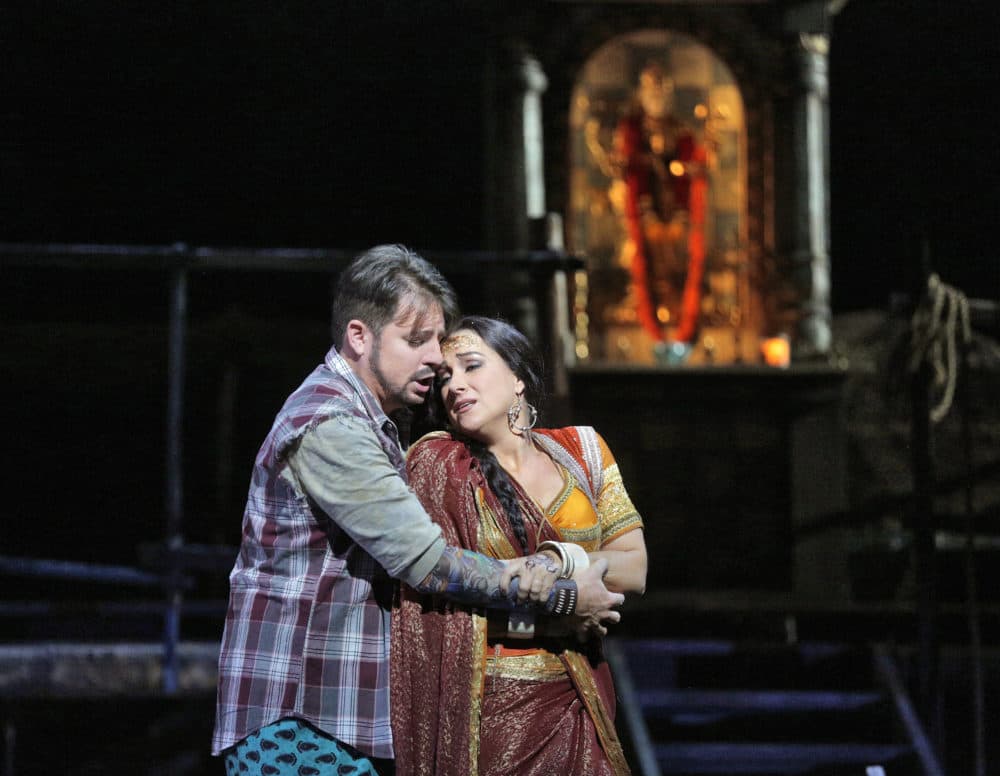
484	694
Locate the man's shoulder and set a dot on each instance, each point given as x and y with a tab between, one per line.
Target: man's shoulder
322	396
323	390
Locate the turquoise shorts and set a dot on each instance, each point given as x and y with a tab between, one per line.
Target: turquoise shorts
292	747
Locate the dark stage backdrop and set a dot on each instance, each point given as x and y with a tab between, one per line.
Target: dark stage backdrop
337	125
306	124
340	125
345	124
912	121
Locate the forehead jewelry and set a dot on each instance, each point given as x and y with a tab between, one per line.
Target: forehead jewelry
460	341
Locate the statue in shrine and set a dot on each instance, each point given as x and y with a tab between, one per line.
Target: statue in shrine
661	184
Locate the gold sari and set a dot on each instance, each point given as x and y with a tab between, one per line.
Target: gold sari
468	700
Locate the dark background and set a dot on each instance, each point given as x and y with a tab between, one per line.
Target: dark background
340	125
913	117
334	125
345	124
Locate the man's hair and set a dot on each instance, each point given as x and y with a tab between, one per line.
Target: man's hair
372	287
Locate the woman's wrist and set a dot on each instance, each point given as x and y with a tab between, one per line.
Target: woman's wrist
572	557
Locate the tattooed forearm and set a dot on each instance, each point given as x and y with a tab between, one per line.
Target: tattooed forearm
467	577
470	578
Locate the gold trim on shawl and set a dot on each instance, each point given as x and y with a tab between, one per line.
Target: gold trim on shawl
538	667
579	671
477	690
491	538
491	541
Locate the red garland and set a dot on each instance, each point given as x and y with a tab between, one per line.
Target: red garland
691	190
691	299
636	185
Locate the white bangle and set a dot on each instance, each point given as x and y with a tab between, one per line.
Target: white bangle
557	548
579	555
572	556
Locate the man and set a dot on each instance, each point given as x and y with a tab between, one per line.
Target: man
303	669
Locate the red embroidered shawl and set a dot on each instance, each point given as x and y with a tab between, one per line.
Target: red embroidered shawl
438	648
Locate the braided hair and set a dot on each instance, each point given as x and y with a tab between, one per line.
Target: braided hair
524	361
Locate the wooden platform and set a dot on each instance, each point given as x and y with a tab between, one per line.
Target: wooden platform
100	671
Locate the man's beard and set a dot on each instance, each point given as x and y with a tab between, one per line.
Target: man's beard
392	393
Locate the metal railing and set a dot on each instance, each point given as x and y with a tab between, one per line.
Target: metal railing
175	557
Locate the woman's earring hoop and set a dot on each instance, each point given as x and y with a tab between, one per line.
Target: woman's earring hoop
515	411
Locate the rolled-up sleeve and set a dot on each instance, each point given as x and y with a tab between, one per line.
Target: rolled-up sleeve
341	466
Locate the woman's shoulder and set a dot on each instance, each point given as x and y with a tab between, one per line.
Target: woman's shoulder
438	457
434	444
570	435
434	436
582	442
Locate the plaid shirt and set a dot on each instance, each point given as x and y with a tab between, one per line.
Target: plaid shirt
307	630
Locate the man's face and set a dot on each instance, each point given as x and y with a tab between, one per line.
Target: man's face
406	355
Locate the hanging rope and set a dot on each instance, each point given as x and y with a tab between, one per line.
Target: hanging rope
971	586
934	332
935	329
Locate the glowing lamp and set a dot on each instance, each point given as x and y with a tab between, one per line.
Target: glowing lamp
776	351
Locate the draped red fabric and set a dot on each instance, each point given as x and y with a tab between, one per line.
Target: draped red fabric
438	672
431	663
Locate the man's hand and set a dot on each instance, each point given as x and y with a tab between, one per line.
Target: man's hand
474	579
536	574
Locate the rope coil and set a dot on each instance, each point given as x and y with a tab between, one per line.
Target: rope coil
934	330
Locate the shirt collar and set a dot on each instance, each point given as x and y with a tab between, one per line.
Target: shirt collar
339	366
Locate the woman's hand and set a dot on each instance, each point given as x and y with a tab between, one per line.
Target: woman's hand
536	574
594	624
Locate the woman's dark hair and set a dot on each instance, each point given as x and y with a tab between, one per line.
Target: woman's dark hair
524	361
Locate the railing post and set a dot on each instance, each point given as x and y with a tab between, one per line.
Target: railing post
176	361
924	526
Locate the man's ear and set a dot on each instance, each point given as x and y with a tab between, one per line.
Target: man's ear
357	338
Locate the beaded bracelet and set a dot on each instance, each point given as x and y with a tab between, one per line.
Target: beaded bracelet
562	599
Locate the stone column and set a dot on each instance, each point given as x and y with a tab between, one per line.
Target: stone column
804	199
534	287
515	172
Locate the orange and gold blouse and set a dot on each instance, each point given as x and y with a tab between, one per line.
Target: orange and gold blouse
574	516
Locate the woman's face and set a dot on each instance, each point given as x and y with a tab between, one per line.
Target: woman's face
477	387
